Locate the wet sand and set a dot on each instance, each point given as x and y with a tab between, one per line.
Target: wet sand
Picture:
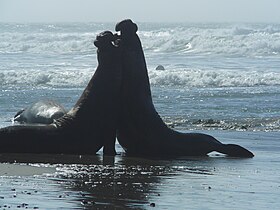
97	182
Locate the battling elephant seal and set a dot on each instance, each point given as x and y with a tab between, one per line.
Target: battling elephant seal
89	125
40	112
141	130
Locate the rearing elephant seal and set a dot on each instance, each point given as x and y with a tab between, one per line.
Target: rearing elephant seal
141	130
89	125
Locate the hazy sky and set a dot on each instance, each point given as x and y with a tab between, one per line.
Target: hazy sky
141	10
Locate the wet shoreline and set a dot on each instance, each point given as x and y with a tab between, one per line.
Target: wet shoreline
103	182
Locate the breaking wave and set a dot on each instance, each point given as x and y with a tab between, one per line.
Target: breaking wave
211	78
49	78
46	42
228	39
241	40
178	78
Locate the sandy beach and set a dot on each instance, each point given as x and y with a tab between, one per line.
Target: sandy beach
97	182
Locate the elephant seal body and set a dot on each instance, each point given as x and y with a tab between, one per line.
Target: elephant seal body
141	130
41	112
89	125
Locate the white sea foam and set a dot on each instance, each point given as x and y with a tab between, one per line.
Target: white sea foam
250	40
48	78
46	42
178	77
210	78
41	50
228	39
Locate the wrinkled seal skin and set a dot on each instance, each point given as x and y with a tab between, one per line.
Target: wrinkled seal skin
89	125
141	131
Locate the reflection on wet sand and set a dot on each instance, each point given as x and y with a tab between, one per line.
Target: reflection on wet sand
128	182
105	182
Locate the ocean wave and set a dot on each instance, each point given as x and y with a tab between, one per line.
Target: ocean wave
211	78
178	78
48	78
227	39
47	42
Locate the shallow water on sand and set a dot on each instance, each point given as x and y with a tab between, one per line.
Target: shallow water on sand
97	182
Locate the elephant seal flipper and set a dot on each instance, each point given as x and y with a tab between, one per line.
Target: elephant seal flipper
89	125
234	150
141	130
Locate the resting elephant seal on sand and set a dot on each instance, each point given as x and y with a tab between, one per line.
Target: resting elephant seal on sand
141	130
89	125
41	112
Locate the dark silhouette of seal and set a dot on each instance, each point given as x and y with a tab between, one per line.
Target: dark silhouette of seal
89	125
40	112
141	130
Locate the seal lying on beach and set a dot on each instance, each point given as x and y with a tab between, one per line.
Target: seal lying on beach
41	112
89	125
141	130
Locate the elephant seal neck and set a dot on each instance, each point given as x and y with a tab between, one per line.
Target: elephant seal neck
94	95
